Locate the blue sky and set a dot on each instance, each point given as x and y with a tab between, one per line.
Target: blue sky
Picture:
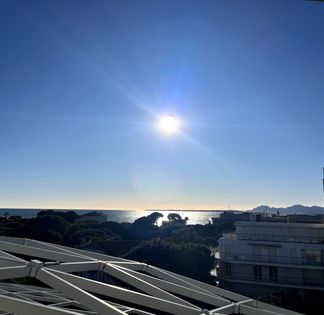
81	84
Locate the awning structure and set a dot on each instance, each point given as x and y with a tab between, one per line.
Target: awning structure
73	281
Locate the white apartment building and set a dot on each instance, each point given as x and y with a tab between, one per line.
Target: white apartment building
272	256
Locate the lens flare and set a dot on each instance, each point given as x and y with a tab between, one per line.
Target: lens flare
168	124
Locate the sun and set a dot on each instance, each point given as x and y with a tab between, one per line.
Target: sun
168	124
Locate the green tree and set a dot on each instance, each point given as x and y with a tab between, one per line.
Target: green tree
69	216
45	228
84	238
189	259
145	227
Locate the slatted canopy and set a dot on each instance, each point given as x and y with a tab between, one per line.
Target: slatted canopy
75	282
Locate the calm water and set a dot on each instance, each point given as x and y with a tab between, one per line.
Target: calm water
195	217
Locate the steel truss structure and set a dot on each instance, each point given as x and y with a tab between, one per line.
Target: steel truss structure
138	289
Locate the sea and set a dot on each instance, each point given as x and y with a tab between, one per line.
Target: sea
129	216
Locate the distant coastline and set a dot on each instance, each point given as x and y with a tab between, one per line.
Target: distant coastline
201	210
119	210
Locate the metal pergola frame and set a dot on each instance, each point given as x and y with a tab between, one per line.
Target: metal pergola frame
149	290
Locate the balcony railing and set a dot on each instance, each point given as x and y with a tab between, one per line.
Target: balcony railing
279	279
272	259
280	238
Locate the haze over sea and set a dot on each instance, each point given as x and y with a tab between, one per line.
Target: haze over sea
195	217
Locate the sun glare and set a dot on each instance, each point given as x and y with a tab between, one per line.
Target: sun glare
168	124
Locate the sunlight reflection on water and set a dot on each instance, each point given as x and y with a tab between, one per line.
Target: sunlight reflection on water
195	217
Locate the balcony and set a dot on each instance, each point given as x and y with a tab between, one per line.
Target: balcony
268	259
265	279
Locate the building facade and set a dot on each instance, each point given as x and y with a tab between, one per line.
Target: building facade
264	257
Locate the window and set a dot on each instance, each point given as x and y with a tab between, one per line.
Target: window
272	254
228	251
311	256
256	253
228	269
293	256
273	274
257	270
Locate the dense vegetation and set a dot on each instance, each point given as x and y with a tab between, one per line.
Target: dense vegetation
310	303
184	249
